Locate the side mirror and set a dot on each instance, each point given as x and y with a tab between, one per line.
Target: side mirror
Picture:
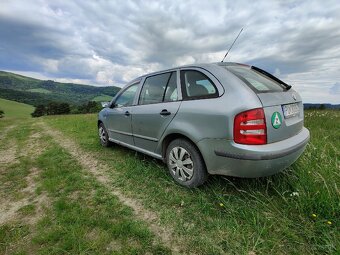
105	104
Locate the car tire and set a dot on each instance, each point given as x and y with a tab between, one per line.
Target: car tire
185	163
103	136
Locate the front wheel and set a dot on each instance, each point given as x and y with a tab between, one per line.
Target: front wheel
185	163
103	136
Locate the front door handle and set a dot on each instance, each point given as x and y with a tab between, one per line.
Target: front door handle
127	113
164	112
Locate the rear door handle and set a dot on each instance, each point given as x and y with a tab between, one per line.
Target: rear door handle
127	113
164	112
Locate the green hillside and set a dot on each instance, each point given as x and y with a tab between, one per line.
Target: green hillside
39	90
34	91
15	109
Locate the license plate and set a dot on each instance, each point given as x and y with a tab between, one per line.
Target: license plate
290	110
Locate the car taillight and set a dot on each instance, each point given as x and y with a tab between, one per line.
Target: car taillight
250	127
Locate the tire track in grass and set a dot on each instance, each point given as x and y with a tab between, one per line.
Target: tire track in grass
21	207
99	171
6	130
31	148
8	148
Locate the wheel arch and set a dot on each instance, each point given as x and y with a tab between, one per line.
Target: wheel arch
99	122
173	136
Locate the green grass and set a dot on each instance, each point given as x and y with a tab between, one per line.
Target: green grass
84	217
80	215
14	109
102	98
272	215
40	90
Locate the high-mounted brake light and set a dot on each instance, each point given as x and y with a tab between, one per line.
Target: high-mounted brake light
250	127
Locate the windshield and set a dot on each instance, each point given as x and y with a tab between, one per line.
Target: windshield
257	81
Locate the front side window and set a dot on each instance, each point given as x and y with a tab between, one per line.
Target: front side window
197	85
159	88
126	98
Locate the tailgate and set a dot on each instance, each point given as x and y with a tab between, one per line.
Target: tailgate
284	114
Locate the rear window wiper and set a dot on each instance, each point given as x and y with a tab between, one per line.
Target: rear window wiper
287	87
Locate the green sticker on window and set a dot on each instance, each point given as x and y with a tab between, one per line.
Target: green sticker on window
276	120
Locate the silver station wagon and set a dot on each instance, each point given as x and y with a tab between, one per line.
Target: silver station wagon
220	118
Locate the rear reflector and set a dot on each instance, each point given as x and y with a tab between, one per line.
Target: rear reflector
250	127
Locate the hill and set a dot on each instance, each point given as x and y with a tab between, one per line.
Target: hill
34	91
15	109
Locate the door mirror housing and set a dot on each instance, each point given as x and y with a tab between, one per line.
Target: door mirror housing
105	104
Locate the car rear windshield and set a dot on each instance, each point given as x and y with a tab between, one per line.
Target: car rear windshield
257	81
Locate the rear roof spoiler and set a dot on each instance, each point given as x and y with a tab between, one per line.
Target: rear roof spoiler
288	87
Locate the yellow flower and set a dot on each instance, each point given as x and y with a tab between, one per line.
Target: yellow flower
221	204
329	222
314	215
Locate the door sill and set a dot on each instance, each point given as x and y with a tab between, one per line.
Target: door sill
152	154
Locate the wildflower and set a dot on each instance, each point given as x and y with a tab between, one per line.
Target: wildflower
294	194
221	204
314	215
329	222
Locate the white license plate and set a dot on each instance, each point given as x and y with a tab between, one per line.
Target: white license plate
290	110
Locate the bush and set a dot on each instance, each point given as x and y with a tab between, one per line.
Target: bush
52	108
89	107
2	113
40	110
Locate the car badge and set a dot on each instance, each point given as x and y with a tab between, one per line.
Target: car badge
294	96
276	120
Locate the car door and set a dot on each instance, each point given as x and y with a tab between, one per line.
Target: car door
119	116
157	105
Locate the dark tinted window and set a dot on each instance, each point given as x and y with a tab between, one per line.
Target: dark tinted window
197	85
159	88
255	80
126	98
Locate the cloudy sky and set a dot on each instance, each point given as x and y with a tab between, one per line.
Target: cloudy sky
111	42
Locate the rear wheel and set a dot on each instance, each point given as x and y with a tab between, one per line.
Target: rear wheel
103	136
185	163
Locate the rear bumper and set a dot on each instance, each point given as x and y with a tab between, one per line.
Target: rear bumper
228	158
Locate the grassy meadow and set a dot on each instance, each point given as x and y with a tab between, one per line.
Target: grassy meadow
50	205
14	109
293	212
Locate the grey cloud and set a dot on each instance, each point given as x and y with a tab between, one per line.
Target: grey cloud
96	40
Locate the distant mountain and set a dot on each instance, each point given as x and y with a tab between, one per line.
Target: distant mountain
321	106
34	91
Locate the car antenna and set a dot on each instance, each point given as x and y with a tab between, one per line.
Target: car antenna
232	45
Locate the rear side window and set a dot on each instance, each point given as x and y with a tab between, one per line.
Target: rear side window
255	80
196	85
159	88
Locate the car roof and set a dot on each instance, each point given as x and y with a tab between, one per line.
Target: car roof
208	66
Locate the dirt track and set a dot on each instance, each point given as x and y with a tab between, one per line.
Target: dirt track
101	172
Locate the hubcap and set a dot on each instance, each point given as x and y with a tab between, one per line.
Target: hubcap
102	135
181	164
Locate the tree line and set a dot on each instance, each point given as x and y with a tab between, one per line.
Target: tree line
56	108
